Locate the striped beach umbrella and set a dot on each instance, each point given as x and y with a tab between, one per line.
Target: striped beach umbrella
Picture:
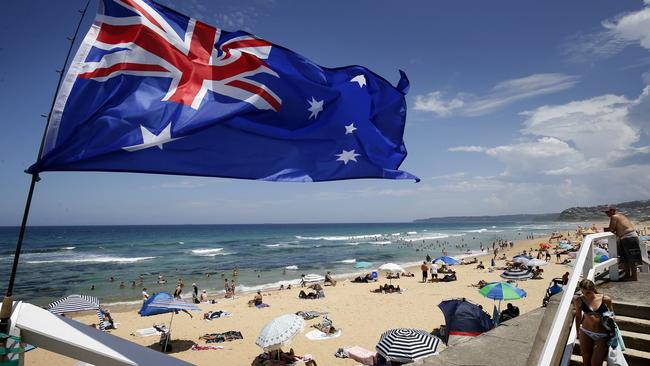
502	291
279	331
312	277
73	303
407	344
516	274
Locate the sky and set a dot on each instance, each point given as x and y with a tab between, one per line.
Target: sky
514	107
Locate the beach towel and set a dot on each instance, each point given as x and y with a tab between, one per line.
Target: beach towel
317	335
362	355
230	335
197	347
307	315
262	306
146	332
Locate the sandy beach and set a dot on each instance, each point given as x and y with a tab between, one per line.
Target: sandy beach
361	315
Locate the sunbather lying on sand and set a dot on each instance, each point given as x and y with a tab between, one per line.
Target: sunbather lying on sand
365	278
480	284
388	289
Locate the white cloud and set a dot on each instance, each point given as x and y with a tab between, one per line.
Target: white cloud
634	26
596	126
434	102
618	33
466	149
586	137
502	94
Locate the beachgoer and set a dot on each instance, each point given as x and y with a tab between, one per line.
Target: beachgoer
589	308
112	279
510	312
257	299
145	295
434	271
428	259
329	279
107	317
232	286
629	248
425	271
195	293
480	266
226	288
122	284
177	291
204	296
92	287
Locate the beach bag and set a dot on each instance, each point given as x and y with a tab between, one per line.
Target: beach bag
615	357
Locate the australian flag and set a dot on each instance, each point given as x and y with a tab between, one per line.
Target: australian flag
153	91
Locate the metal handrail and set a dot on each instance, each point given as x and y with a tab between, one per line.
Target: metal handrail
584	267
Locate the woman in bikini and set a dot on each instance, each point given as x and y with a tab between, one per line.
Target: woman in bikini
590	307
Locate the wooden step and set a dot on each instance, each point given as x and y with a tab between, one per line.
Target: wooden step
635	340
634	357
633	324
632	310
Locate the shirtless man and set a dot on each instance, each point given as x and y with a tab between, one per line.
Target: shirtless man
629	248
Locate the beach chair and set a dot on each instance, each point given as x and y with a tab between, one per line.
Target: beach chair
374	275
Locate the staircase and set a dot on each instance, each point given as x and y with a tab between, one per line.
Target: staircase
632	308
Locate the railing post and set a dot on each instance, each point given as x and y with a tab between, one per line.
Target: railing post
645	264
590	258
612	250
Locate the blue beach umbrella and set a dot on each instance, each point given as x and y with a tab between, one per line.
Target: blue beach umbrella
447	260
164	302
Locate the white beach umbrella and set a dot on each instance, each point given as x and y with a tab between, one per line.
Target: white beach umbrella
279	331
392	267
535	263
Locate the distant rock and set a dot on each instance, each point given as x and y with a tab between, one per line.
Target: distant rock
490	219
638	210
633	209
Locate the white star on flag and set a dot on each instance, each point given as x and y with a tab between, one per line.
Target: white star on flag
360	79
346	156
350	128
150	139
315	107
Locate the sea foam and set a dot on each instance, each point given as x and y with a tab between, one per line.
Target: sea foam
91	259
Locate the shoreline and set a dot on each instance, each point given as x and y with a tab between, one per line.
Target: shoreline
273	287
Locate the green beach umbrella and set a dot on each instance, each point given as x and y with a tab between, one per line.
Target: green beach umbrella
502	291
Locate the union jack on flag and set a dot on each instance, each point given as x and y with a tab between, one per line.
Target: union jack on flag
151	90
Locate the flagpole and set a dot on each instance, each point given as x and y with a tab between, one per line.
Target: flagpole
7	302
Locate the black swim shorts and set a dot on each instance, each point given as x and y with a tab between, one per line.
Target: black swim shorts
630	250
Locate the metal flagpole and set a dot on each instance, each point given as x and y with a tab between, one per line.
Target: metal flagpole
7	302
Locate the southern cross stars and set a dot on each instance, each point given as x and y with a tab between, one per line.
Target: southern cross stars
350	129
360	79
346	156
150	139
315	107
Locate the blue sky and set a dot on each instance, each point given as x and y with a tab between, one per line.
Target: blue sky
514	107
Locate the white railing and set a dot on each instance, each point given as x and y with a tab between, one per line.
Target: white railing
585	268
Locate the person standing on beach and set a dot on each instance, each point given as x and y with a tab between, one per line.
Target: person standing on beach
425	271
145	295
232	288
434	271
628	241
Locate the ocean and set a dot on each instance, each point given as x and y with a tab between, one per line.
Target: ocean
62	260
